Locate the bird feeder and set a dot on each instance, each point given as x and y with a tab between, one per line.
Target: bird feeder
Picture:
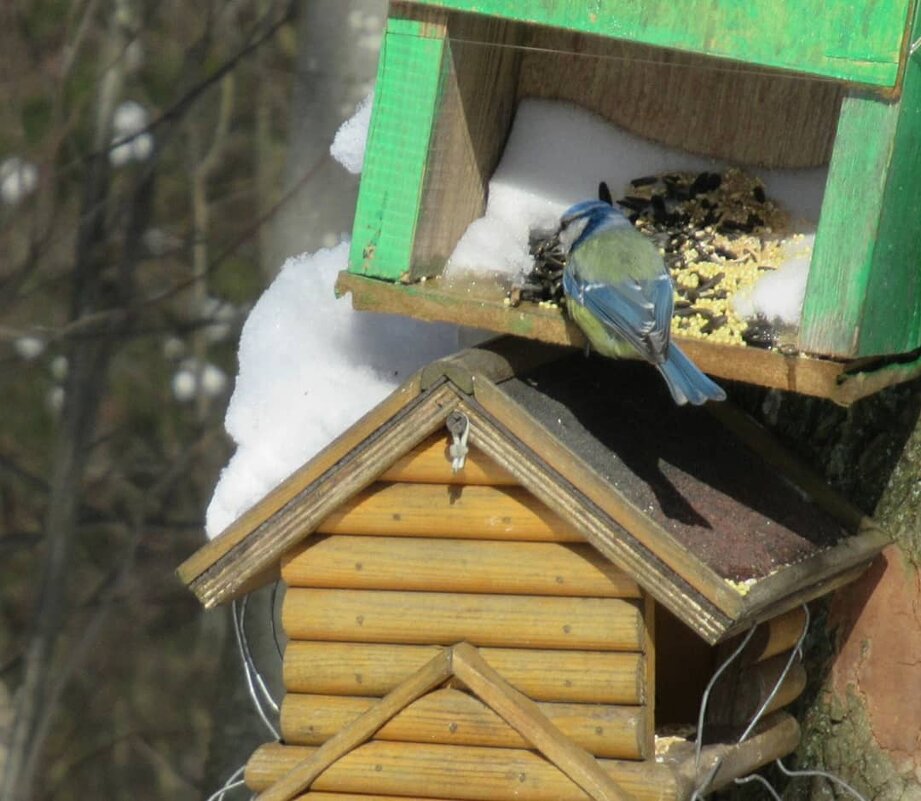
789	83
496	588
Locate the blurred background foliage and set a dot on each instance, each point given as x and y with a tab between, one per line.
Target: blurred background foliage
158	161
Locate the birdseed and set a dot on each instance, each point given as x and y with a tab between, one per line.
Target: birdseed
717	233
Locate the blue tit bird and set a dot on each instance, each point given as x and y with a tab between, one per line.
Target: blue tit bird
620	294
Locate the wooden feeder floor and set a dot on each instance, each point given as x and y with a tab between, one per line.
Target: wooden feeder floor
479	303
678	465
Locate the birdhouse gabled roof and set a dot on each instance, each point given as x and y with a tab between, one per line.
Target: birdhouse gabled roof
700	506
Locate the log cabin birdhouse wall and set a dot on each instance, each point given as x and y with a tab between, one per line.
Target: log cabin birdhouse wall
511	575
789	84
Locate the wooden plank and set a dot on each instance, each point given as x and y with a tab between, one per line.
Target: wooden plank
874	377
205	557
736	701
776	737
798	589
687	101
482	307
416	618
863	290
301	775
769	597
371	669
453	717
433	510
450	565
365	459
496	361
320	796
840	39
525	717
465	772
891	320
774	636
650	658
622	533
847	235
475	105
430	463
406	100
478	306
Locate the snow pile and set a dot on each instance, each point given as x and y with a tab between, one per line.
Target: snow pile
556	155
778	294
348	147
310	367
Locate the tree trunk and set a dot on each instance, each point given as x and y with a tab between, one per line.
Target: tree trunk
336	63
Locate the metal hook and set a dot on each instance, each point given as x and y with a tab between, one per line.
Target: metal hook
459	428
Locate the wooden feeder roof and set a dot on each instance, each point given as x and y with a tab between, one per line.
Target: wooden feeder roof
699	505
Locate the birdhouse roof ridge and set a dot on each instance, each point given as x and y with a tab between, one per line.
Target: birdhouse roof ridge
570	435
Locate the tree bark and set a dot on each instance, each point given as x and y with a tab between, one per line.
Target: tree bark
862	721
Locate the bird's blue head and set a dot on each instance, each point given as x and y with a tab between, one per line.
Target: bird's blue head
583	219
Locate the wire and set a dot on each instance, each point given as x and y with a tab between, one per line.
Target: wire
715	62
251	663
705	699
797	651
272	607
822	774
757	777
248	670
233	781
711	774
706	696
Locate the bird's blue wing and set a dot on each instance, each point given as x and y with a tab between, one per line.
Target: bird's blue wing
637	309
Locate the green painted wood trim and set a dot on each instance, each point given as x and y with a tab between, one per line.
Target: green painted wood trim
841	39
402	122
846	236
862	296
891	320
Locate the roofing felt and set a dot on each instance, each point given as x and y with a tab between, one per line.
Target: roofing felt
679	465
670	494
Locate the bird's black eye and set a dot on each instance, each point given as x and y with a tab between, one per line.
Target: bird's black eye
604	193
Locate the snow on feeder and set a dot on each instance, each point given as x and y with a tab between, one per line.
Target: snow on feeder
495	589
821	100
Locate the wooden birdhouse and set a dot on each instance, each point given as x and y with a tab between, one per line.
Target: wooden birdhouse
780	84
511	575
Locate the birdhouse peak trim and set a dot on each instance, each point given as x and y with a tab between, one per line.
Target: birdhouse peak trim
463	662
282	772
519	419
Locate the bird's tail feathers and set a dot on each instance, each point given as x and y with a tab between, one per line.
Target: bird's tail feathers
685	380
